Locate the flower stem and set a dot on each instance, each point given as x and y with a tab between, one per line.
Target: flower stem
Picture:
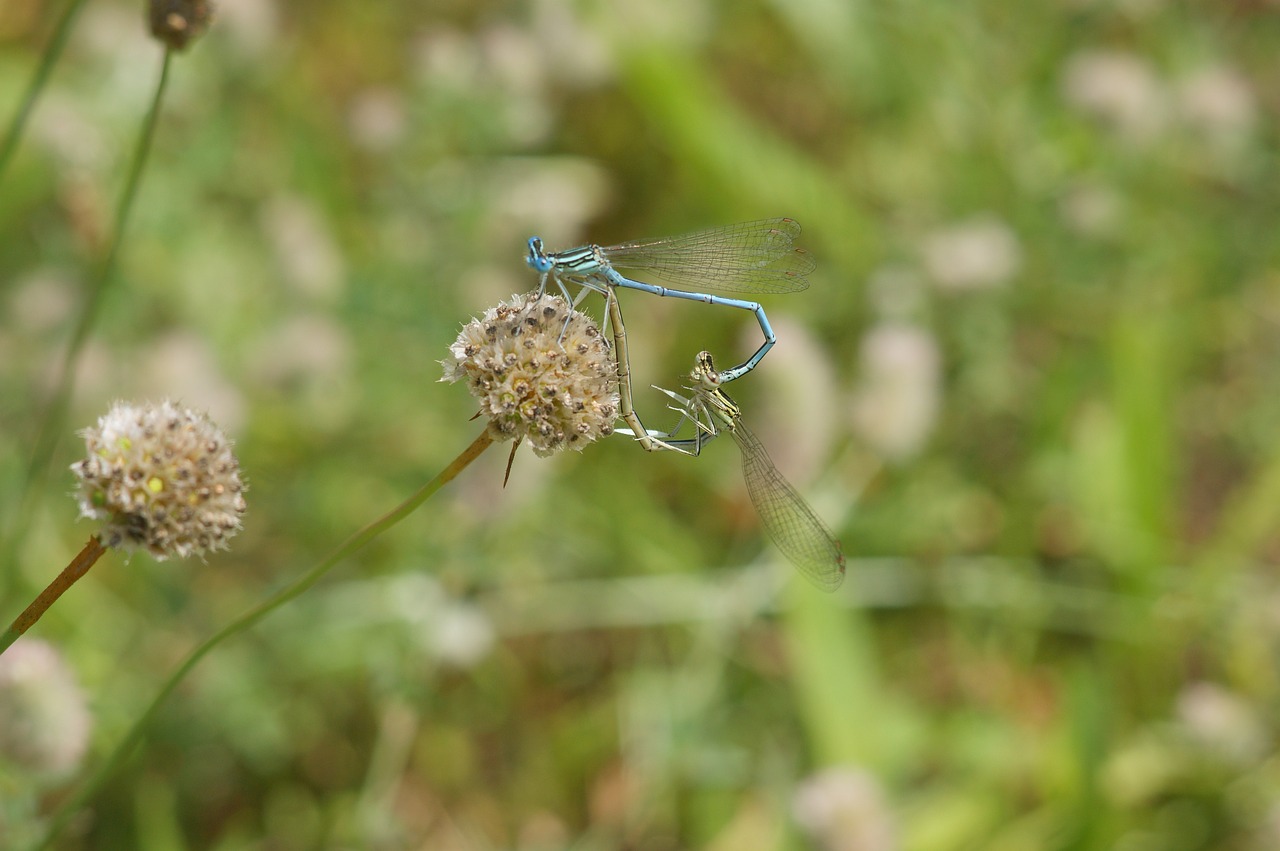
51	419
79	566
51	54
117	756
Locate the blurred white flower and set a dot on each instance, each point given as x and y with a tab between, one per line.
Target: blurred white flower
1120	89
308	358
516	64
41	302
461	634
309	259
445	57
513	59
1222	721
44	720
527	120
453	631
115	37
844	809
253	26
1092	209
896	291
69	132
799	423
497	60
899	390
182	365
1218	102
571	50
303	348
503	66
555	195
977	254
376	119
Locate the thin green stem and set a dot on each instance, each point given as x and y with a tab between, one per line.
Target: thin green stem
141	153
108	768
50	425
50	58
79	566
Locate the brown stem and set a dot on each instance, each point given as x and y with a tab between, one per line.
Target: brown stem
79	566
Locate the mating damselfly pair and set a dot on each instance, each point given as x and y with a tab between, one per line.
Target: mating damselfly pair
751	257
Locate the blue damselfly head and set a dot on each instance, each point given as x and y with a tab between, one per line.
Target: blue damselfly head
538	260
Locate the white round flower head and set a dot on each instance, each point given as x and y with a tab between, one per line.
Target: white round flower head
896	404
163	478
979	254
556	393
461	634
843	808
44	720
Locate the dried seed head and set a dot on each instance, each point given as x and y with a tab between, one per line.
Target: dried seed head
558	394
163	477
179	22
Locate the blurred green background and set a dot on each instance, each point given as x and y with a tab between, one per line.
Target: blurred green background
1034	387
